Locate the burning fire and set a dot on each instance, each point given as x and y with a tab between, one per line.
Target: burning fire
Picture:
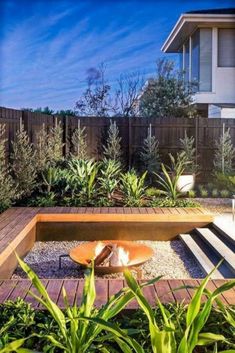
123	256
99	247
118	256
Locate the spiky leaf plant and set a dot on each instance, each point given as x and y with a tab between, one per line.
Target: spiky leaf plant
55	144
189	153
133	188
23	162
224	153
149	154
7	185
112	149
41	149
79	142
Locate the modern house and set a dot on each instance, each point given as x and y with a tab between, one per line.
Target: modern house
205	41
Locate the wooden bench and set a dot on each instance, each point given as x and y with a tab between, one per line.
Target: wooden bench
12	289
20	227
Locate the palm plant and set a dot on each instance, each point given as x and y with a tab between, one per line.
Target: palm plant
170	177
133	188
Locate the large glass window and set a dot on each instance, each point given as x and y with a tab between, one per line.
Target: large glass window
226	47
205	71
186	62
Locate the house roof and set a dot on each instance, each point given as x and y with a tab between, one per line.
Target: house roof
189	21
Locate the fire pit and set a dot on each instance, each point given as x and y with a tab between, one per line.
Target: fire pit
111	255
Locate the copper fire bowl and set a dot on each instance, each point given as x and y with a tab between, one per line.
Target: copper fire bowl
138	254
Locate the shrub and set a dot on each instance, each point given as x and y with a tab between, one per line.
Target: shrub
224	181
109	178
203	192
133	188
224	193
79	142
8	188
153	192
23	162
189	153
191	194
215	193
167	202
224	154
41	149
149	155
112	150
55	144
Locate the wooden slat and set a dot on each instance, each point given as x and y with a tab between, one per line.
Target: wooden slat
164	291
228	295
114	286
6	289
101	286
30	299
21	289
54	288
180	295
70	286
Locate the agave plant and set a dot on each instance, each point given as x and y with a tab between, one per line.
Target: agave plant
81	179
164	340
133	188
109	177
50	177
168	181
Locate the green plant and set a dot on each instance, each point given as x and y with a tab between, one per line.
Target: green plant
79	142
189	153
112	150
167	202
41	149
48	200
50	177
109	177
170	177
81	180
203	192
153	192
23	162
79	327
224	181
224	193
215	193
163	340
191	194
133	188
224	153
55	144
8	188
149	154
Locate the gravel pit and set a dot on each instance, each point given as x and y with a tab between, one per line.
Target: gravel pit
171	259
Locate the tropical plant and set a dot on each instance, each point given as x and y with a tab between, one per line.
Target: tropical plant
189	153
149	154
79	328
168	202
169	180
133	188
112	149
8	188
163	340
81	180
79	142
50	177
224	153
23	162
109	177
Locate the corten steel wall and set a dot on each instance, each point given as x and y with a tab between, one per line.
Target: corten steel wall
133	131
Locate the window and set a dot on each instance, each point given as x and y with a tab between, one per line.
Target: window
186	62
195	62
226	47
205	70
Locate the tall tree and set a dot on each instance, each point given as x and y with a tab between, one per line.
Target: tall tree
166	95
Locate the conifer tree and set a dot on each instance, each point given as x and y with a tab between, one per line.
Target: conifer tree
112	150
41	149
224	153
79	142
149	155
23	162
7	186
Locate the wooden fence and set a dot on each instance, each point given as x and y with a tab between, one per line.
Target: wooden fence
168	131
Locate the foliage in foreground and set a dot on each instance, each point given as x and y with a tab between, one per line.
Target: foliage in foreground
173	329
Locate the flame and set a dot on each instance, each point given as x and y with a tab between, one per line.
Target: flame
99	247
123	256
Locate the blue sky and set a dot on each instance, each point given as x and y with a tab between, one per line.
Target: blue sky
47	46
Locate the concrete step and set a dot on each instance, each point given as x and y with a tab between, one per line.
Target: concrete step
227	230
218	246
203	260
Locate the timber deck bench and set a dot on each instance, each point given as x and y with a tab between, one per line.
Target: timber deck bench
20	227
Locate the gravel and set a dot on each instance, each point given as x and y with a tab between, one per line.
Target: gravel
171	259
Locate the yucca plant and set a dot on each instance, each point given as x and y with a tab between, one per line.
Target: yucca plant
50	177
133	188
164	340
79	328
169	180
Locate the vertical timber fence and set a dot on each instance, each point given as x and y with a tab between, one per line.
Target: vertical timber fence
133	131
